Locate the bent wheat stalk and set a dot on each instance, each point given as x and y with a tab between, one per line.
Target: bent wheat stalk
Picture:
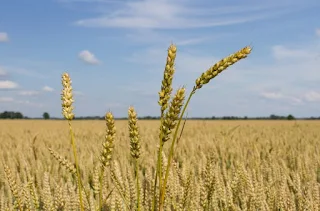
205	78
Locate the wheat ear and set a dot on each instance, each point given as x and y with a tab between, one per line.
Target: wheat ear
13	187
135	148
107	149
67	111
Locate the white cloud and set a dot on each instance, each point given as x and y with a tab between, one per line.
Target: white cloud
116	105
28	103
88	57
166	14
293	100
281	52
4	37
47	89
318	32
3	72
163	38
6	99
191	41
28	93
312	96
272	95
78	93
26	72
22	102
8	85
299	63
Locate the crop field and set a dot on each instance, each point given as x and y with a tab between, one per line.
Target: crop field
217	165
160	165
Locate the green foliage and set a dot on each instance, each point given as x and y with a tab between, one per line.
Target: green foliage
290	117
46	115
11	115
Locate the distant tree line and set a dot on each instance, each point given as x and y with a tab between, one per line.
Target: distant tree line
11	115
271	117
46	115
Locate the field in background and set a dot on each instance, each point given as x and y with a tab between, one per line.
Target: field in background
253	164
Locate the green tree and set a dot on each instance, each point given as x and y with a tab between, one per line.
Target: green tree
46	115
11	115
290	117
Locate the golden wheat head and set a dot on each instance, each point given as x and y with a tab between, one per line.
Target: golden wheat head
221	65
134	133
67	97
106	153
166	87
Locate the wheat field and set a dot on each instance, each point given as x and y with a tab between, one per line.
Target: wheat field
159	165
237	165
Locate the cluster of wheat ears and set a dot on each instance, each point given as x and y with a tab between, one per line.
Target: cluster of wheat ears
166	187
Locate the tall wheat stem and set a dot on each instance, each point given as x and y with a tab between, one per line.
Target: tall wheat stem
100	189
164	97
163	188
135	148
67	111
77	164
136	163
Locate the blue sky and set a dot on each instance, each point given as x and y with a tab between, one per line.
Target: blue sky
115	52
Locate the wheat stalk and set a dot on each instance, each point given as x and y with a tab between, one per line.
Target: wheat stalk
67	111
135	148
